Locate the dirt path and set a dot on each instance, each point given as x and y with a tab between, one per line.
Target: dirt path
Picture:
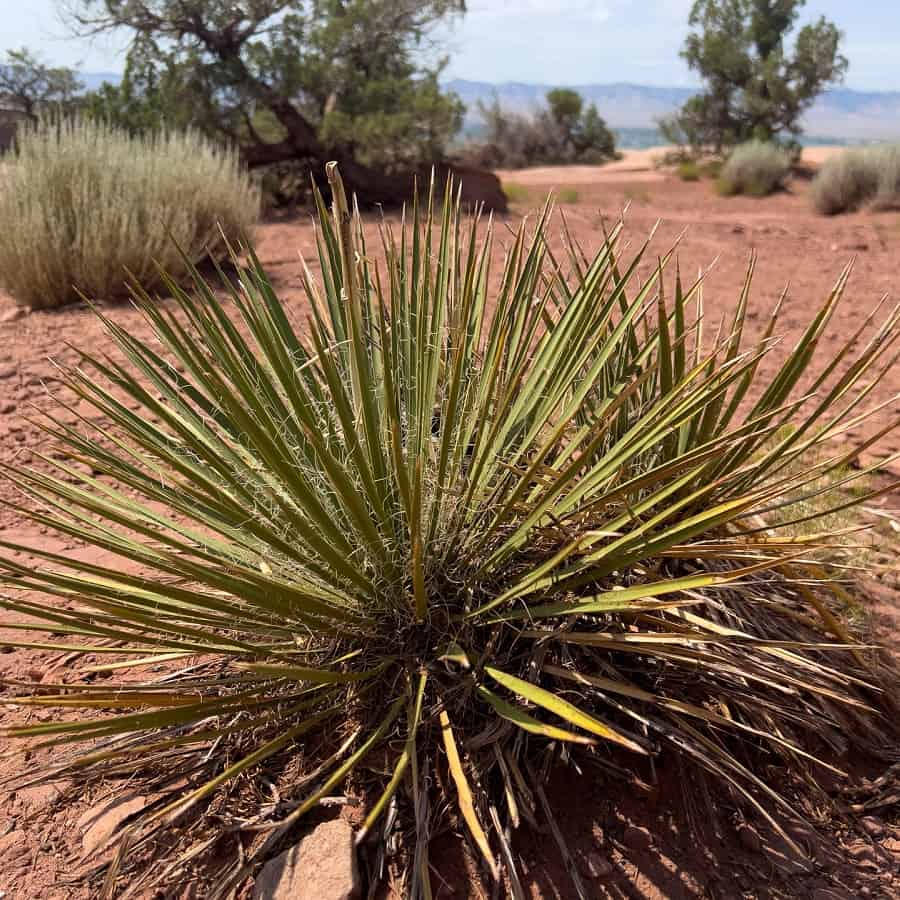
39	839
634	165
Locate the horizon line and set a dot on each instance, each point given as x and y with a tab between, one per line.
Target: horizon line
569	84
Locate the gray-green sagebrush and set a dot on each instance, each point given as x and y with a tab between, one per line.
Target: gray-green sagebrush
454	525
756	168
83	204
857	177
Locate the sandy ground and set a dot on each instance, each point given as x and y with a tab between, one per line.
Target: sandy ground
40	839
635	165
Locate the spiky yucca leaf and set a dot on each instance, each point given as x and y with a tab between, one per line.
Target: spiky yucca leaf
444	522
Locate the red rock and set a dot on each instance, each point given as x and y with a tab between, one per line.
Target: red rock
99	824
12	844
17	312
321	867
40	796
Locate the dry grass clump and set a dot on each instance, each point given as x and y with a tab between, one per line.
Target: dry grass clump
857	177
81	202
757	168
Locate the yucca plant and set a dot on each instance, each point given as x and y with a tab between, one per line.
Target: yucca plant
448	527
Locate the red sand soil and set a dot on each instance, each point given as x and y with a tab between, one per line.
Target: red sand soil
40	842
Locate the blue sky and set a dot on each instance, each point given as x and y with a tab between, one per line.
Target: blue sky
555	41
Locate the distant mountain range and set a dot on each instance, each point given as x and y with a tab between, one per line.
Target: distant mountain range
840	113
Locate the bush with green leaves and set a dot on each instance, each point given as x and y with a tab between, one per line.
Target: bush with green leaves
757	168
760	72
83	202
294	82
688	170
564	132
695	169
856	177
445	532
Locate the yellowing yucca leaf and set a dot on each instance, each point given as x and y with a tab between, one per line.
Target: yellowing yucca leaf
565	710
523	720
464	795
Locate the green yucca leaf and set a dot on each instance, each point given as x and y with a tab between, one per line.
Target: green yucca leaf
503	510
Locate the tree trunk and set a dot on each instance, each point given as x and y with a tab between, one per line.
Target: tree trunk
374	187
370	186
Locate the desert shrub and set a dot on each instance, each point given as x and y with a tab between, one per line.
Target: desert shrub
697	169
672	156
89	202
857	177
756	168
711	168
887	162
448	531
563	132
689	170
515	192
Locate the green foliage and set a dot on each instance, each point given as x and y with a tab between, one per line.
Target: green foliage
30	87
568	195
693	169
516	193
148	99
394	121
565	107
857	177
689	170
711	168
564	132
754	87
89	202
756	168
594	142
449	507
338	78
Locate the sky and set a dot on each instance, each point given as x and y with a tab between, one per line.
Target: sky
542	41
